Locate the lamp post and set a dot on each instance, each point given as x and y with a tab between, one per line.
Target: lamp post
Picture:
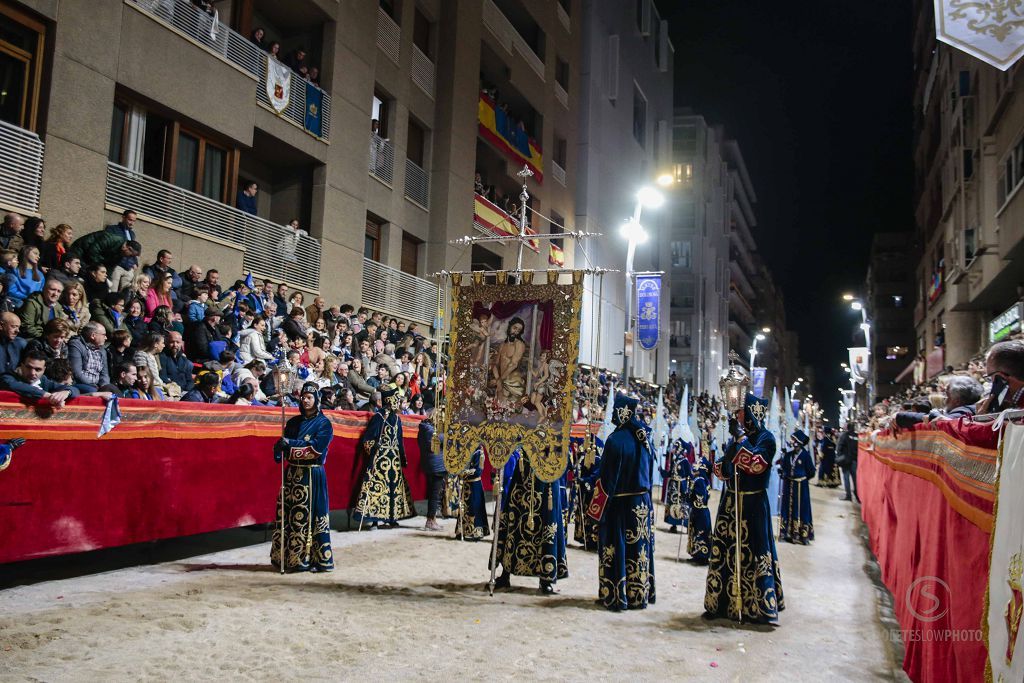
635	234
753	350
793	386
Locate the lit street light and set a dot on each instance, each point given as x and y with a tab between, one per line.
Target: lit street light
753	351
635	234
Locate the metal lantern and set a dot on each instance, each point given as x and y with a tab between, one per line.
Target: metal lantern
734	385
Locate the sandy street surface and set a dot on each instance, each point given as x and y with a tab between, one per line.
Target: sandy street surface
406	604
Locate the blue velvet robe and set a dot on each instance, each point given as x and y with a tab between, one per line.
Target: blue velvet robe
307	524
677	475
797	524
760	582
626	533
828	472
385	495
699	528
585	527
474	512
531	536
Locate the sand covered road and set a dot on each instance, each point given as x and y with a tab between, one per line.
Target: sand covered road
406	604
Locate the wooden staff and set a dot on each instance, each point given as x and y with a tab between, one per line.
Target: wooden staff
496	527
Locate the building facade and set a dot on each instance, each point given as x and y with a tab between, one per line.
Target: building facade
624	143
170	115
890	294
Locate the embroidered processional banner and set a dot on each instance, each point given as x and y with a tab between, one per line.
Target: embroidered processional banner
278	84
511	371
991	30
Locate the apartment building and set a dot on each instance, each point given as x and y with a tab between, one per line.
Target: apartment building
170	114
889	306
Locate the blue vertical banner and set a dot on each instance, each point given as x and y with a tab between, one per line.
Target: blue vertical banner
648	307
314	115
757	381
796	407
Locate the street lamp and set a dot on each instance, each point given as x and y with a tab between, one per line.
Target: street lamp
793	386
753	351
635	234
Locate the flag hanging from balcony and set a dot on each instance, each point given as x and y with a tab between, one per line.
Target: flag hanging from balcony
648	307
556	256
498	128
314	104
489	218
859	363
279	84
990	31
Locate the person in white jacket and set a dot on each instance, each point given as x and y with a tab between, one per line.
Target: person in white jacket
252	344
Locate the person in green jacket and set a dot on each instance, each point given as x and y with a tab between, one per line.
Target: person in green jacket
40	308
104	247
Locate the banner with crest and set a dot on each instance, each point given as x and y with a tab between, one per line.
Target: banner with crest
511	370
990	30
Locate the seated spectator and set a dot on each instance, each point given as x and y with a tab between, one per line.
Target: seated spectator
10	232
126	228
120	349
96	284
109	312
382	378
28	381
75	306
295	325
229	366
252	343
137	291
27	278
163	323
56	246
280	298
175	366
197	307
54	342
189	279
147	354
162	266
11	345
135	321
35	232
252	373
201	335
416	406
159	294
59	370
205	391
40	308
88	358
962	393
125	376
212	282
244	395
315	311
144	388
247	198
328	398
347	401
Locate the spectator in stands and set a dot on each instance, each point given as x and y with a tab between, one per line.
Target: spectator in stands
280	298
243	396
257	37
54	342
107	248
201	335
126	228
56	246
28	381
205	390
295	325
197	307
252	373
34	233
120	349
247	198
59	370
347	400
315	311
213	283
69	271
416	406
144	388
252	343
40	308
125	376
10	232
109	312
962	394
296	60
27	278
175	366
1004	367
265	296
162	266
135	321
160	293
11	345
290	242
189	279
137	291
96	284
357	381
163	322
296	299
148	353
75	305
88	358
274	49
314	75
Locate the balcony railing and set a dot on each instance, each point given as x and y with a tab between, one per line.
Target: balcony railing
183	17
561	95
382	160
295	112
389	35
393	292
21	171
270	250
558	173
417	184
422	71
509	37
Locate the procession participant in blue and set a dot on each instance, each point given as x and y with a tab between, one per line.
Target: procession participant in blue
585	527
677	472
795	468
699	527
828	473
474	513
531	536
622	503
307	524
755	592
385	496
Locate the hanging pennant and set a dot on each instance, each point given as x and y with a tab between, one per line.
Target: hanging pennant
992	31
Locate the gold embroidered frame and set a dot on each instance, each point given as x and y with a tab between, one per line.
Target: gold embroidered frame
482	408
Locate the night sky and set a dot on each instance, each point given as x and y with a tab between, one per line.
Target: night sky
818	95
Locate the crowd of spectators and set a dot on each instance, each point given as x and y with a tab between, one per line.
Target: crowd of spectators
593	385
84	317
297	60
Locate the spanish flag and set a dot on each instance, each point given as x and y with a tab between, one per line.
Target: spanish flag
556	256
500	131
495	221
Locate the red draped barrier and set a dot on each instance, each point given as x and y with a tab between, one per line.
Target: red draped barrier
927	501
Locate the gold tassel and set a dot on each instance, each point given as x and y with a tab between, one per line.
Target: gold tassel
551	504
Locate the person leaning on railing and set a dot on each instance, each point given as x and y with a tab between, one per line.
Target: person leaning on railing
29	381
1004	369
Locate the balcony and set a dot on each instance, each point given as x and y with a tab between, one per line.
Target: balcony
423	71
21	172
558	173
509	37
382	160
496	127
491	220
389	35
417	184
212	35
394	292
268	249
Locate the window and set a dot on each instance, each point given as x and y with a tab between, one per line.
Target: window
21	67
686	216
1011	173
681	254
410	254
416	143
371	242
391	7
186	162
421	32
561	150
118	128
484	259
639	116
379	112
562	73
557	226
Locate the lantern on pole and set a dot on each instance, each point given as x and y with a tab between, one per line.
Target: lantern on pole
734	385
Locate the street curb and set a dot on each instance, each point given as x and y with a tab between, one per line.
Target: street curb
883	606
